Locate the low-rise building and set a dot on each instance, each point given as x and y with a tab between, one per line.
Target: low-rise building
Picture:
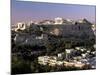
77	48
52	64
94	52
77	58
83	55
88	51
58	20
21	26
79	65
43	60
68	51
68	64
46	22
59	63
61	56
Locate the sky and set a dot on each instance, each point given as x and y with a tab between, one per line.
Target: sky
25	11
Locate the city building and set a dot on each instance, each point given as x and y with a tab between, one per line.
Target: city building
79	65
21	26
59	63
58	20
84	55
77	48
46	22
43	60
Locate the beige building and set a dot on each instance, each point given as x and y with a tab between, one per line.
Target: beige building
21	26
58	20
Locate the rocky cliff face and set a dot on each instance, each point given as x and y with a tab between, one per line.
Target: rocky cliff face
39	34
